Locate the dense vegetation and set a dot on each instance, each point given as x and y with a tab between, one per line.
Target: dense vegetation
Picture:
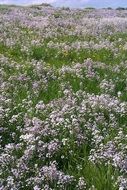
63	102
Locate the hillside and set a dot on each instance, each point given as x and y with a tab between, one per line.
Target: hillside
63	98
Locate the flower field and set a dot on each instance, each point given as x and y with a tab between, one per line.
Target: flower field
63	98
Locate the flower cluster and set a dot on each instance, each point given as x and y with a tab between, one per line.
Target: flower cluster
63	100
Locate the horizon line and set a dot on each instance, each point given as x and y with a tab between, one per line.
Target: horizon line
62	6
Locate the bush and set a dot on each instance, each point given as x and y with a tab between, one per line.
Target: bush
45	5
109	8
91	8
120	8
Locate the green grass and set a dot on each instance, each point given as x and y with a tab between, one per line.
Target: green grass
58	58
98	174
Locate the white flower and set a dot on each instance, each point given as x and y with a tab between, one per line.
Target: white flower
36	188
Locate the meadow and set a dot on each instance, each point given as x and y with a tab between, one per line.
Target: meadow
63	98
